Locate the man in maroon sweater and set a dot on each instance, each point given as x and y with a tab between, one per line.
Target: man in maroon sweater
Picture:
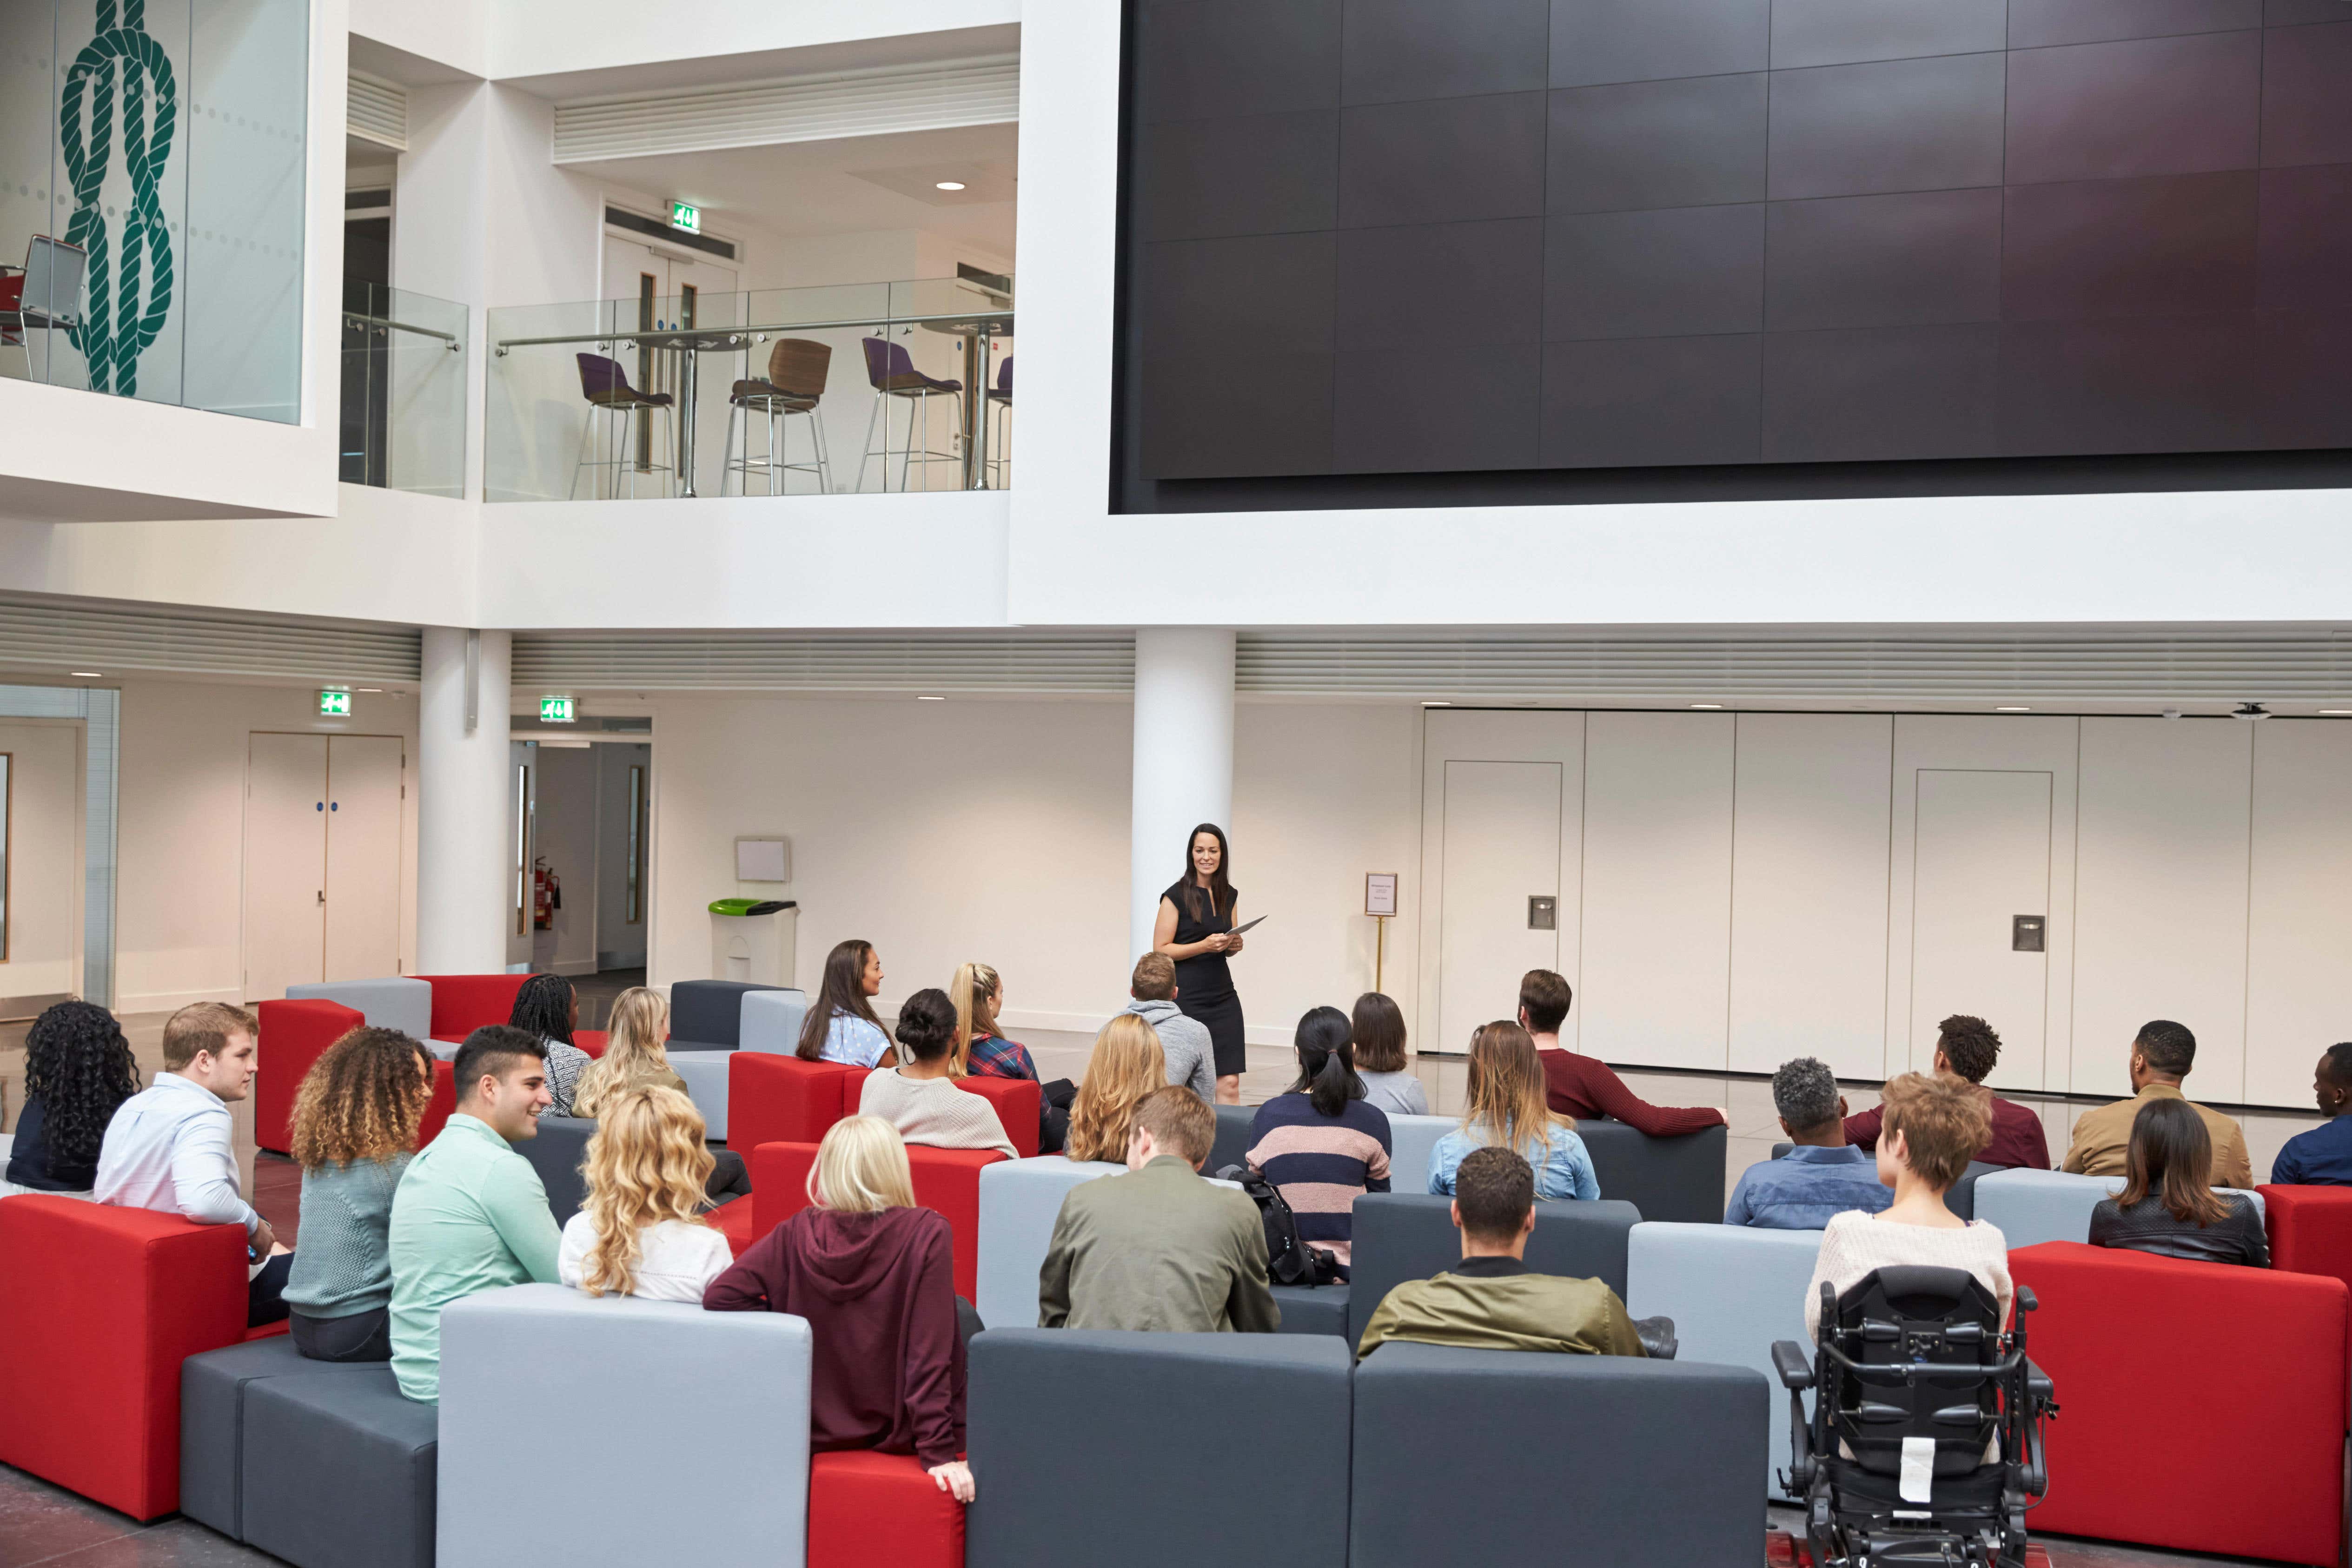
1584	1086
1967	1047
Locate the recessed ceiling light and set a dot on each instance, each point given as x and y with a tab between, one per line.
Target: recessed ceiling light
368	688
87	675
2336	713
1437	702
930	699
2012	710
948	185
1708	707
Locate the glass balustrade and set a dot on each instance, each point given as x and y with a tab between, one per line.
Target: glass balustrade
151	199
404	416
777	391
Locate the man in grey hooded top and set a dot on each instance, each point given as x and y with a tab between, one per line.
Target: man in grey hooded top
1184	1040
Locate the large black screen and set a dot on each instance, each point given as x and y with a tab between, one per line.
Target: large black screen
1388	236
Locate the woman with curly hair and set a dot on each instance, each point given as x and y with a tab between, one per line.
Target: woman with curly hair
1126	1064
640	1231
547	1006
354	1132
78	1070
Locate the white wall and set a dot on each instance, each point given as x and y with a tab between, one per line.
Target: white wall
179	897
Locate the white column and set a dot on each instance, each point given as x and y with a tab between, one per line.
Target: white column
1184	760
462	816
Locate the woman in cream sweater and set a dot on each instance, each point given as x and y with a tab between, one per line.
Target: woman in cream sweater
921	1099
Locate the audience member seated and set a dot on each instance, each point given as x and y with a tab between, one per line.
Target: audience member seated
1506	1110
1585	1087
1491	1300
354	1132
635	1058
2167	1205
1933	1127
547	1006
1377	1030
1967	1047
2320	1157
921	1099
1159	1249
1126	1064
168	1146
874	1276
982	1051
1823	1175
841	1026
470	1214
77	1070
638	1231
2160	1057
1321	1145
1191	1056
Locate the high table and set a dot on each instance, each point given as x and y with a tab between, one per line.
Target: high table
976	330
689	344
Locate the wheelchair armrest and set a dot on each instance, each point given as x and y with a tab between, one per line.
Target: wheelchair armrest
2037	1382
1788	1360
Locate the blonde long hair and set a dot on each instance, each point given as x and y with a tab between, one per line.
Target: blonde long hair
973	984
633	1050
646	1163
861	1168
1506	1107
1128	1063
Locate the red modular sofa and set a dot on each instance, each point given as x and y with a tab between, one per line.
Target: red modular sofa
865	1508
2203	1406
293	1035
2310	1230
464	1003
774	1099
945	1179
98	1306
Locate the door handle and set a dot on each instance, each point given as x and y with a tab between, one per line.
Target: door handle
322	895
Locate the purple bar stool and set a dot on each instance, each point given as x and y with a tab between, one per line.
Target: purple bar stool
606	387
891	371
1000	408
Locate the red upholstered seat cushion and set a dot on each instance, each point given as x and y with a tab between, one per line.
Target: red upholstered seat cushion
98	1306
779	1181
2238	1376
945	1179
734	1222
438	1108
293	1035
464	1003
881	1510
591	1041
774	1099
2310	1228
1016	1101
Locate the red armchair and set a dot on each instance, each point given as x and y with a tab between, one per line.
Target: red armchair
437	1109
2311	1229
1016	1101
293	1034
868	1508
774	1099
98	1306
2242	1371
464	1003
945	1179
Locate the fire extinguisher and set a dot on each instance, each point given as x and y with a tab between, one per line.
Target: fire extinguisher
546	896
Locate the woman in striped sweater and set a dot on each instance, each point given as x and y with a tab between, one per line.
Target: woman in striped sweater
1323	1144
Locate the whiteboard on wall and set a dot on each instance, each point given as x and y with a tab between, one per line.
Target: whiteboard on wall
764	860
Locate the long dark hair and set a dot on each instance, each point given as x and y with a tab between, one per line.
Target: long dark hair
2171	1155
1326	1061
1221	881
543	1006
1378	1032
78	1063
844	990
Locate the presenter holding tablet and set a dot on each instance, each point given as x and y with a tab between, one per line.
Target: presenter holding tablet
1196	929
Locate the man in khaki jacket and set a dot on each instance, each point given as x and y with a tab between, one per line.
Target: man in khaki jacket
2161	1057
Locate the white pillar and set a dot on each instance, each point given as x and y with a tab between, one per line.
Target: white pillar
462	816
1184	760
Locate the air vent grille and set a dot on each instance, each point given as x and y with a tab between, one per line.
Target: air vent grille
64	634
846	660
377	111
808	108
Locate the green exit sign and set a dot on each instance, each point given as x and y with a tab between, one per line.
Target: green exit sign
682	216
334	705
555	710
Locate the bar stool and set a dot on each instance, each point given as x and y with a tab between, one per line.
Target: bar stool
891	371
606	387
1000	407
794	385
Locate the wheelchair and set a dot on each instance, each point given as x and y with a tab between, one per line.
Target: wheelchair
1914	1384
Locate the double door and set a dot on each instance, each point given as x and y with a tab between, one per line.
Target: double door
322	829
655	291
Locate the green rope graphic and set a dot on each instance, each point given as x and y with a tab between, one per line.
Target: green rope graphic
114	331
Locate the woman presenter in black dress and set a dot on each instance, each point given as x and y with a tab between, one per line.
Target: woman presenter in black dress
1195	928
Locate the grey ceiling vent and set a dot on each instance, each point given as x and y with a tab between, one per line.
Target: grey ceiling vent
976	661
876	102
377	111
64	634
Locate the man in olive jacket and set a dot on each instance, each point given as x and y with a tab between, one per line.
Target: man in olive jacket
1158	1247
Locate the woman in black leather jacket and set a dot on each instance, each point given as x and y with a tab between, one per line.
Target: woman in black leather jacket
2165	1207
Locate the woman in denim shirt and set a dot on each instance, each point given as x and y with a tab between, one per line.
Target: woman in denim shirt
1507	1110
841	1026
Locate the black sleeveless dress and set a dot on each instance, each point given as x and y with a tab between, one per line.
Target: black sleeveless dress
1204	985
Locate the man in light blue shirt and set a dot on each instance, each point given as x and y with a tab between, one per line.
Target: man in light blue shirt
1822	1176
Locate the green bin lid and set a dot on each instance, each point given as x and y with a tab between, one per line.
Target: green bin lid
747	906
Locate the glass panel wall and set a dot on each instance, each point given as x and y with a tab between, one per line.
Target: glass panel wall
404	391
152	199
860	387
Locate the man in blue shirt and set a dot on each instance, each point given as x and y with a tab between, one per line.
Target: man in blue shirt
1822	1176
2323	1157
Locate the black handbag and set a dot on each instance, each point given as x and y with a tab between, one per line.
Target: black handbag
1288	1259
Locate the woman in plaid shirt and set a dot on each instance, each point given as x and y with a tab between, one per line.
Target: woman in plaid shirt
978	993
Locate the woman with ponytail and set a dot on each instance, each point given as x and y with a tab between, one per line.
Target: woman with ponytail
1322	1144
981	1051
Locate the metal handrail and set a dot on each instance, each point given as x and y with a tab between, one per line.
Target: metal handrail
757	334
456	344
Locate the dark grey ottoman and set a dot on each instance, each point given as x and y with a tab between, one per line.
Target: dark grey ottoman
1572	1462
1231	1147
338	1471
1158	1450
707	1015
1321	1309
557	1154
1402	1236
212	1424
1665	1178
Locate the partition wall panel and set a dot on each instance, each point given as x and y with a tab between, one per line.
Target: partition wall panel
2299	916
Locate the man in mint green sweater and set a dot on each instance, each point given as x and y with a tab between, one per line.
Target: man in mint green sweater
470	1214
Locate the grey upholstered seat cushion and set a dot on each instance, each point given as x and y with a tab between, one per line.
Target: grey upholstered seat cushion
557	1154
1019	1202
1233	1124
1157	1450
1402	1236
1313	1309
771	1020
1572	1462
395	1002
1665	1178
338	1471
707	1015
212	1421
